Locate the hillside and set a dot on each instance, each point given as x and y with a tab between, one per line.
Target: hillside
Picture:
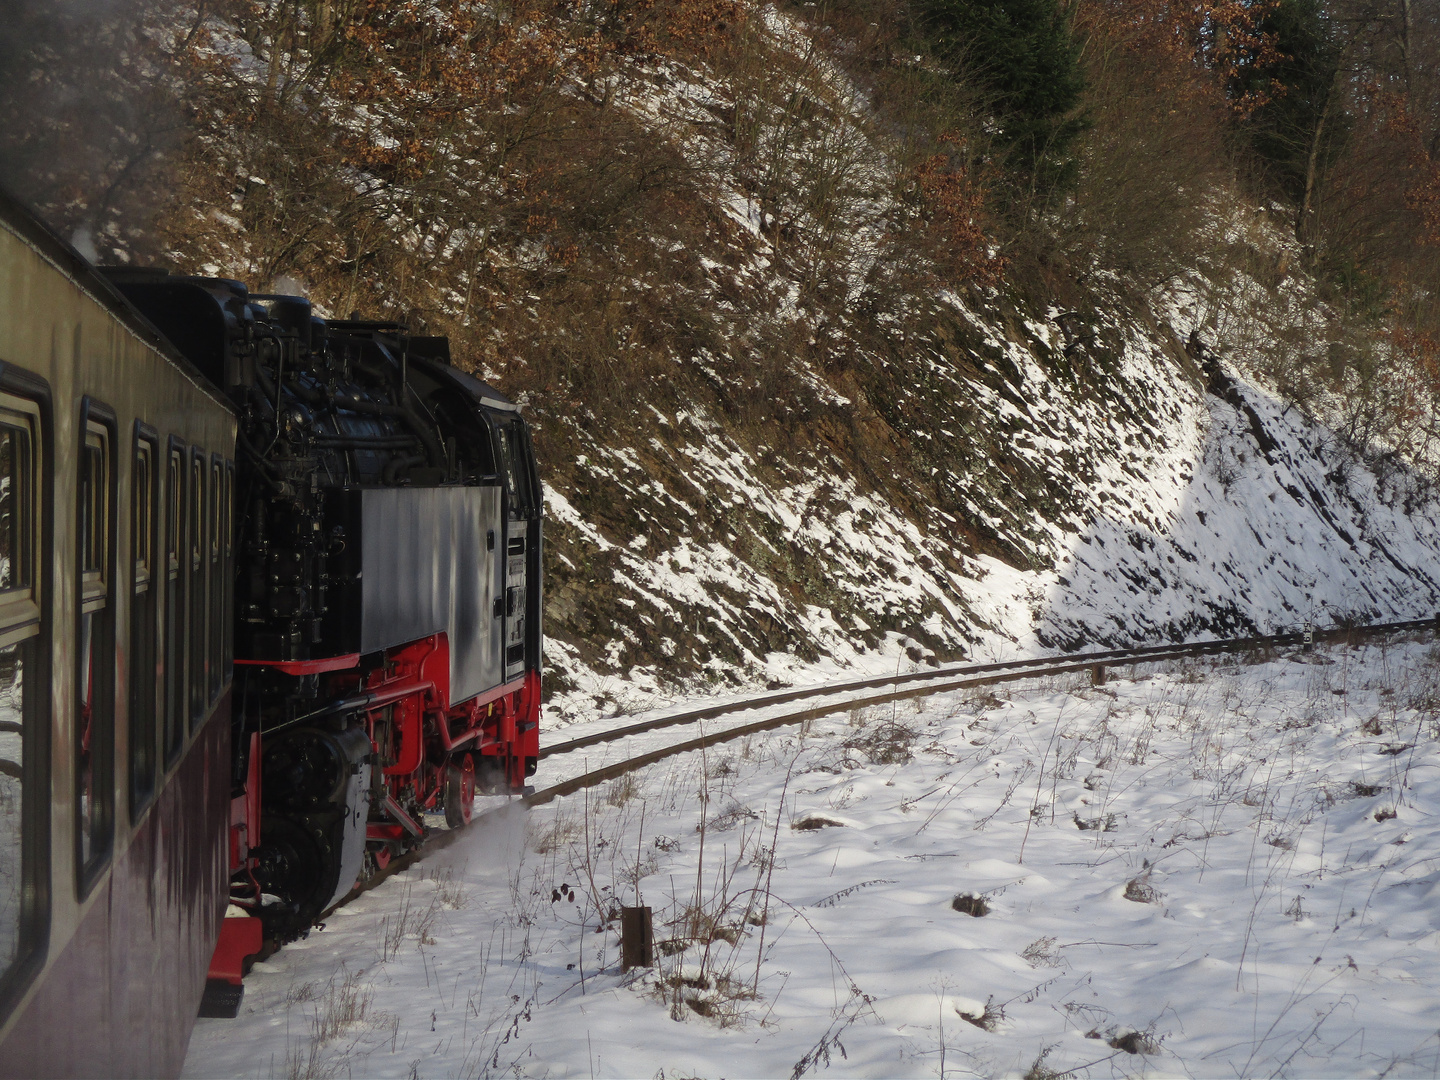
813	386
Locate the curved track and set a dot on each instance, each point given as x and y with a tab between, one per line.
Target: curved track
830	697
815	701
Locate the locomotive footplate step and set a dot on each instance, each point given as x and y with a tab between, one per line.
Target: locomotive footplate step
221	1000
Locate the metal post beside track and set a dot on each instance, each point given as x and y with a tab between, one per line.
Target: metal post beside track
637	938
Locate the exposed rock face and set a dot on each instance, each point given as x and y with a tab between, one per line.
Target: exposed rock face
1039	499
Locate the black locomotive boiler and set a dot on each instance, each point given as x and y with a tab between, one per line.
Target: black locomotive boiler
269	614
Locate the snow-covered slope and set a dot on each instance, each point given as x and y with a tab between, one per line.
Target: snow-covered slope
1056	496
1280	524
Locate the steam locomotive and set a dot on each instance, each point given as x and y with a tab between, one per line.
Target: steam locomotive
269	615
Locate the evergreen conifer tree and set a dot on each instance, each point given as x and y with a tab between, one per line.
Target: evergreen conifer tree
1023	55
1298	131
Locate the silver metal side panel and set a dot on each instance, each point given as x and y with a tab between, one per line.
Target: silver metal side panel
426	567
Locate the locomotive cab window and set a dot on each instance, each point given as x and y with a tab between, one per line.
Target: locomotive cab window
516	472
94	649
23	800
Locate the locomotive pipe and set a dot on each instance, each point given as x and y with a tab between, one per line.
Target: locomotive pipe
266	392
269	387
370	408
442	725
434	452
364	442
395	464
256	458
365	702
432	447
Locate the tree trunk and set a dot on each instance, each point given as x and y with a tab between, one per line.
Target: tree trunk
1312	164
280	41
1307	204
1407	23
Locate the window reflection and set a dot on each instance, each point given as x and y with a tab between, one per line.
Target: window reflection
94	645
174	674
7	504
19	712
12	760
143	652
14	476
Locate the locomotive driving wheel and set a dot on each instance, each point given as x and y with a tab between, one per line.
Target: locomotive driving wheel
459	791
291	866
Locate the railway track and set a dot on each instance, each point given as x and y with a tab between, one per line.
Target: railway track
816	701
798	704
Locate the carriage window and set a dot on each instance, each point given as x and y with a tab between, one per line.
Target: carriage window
227	591
215	629
91	526
21	712
143	674
94	652
14	718
174	673
15	546
195	585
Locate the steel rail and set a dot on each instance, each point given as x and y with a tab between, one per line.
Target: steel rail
979	675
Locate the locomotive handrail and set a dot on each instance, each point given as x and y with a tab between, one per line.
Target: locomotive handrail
372	699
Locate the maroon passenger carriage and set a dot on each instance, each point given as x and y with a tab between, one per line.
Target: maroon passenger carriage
269	614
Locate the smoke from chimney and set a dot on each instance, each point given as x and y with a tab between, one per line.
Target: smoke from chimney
86	118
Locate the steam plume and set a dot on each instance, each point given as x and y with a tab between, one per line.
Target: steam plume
85	117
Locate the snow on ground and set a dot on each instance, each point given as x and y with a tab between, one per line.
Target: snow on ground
1199	871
